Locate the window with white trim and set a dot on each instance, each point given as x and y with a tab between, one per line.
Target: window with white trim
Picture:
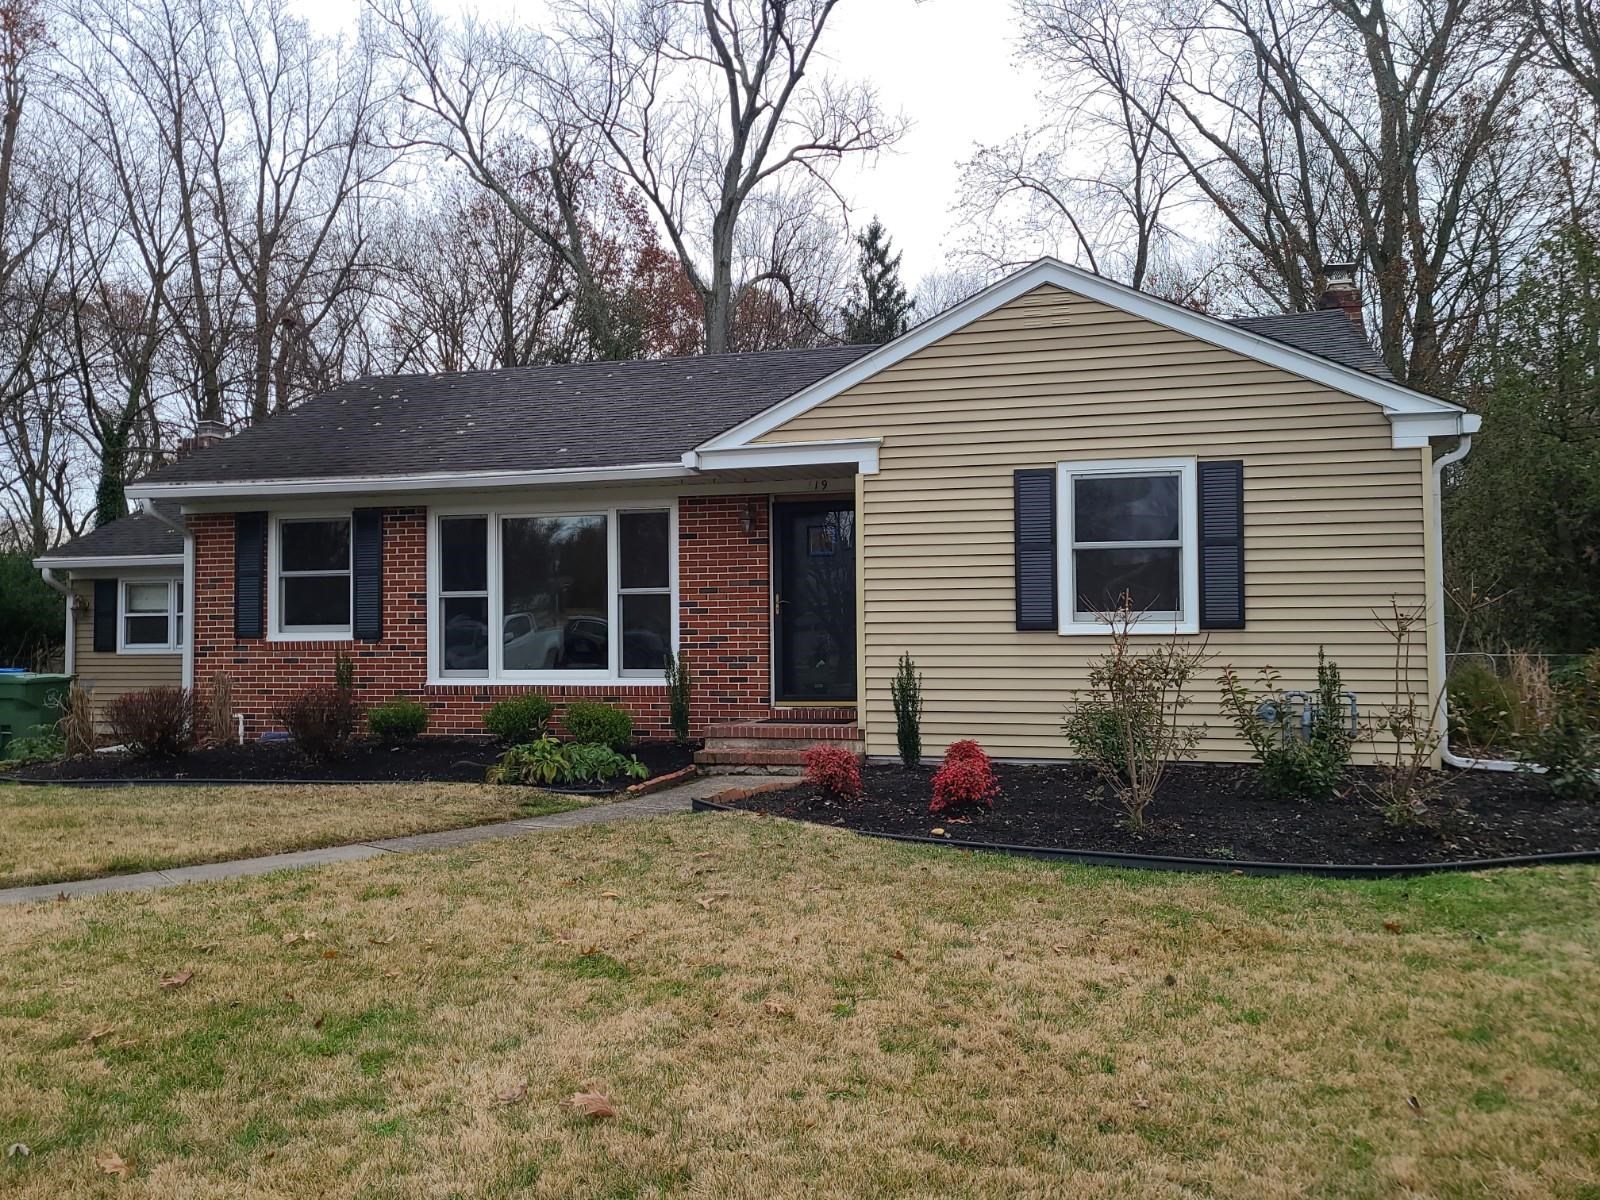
1129	532
313	572
152	616
556	586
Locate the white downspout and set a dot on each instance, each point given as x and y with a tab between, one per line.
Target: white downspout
1442	715
145	506
69	655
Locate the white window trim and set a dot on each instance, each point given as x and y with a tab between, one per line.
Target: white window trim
497	676
173	644
1188	527
276	632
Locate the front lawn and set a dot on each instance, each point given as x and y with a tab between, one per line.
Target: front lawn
776	1010
53	834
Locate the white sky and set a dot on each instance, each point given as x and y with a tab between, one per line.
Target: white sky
947	65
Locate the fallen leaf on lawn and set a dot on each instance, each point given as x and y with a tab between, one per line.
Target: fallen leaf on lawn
317	1024
1391	926
178	980
290	939
596	1106
1060	947
1170	981
899	956
98	1032
330	953
710	898
391	974
776	1007
609	896
378	941
1414	1105
18	1150
1141	1103
112	1163
589	951
515	1094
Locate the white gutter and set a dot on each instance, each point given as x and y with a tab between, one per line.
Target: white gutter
107	561
187	560
1442	713
383	484
68	655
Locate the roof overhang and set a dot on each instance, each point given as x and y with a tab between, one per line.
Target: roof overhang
861	453
1413	415
108	561
432	481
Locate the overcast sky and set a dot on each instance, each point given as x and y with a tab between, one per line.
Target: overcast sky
946	64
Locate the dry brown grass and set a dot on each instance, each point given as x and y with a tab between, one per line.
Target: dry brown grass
785	1011
50	834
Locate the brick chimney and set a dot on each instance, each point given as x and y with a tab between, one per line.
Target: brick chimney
206	433
1341	291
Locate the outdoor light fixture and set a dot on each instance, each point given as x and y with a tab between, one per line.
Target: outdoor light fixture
747	522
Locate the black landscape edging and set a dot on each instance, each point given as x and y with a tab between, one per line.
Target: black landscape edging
112	781
1162	862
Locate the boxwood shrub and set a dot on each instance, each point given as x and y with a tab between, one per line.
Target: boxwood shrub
398	721
518	720
588	721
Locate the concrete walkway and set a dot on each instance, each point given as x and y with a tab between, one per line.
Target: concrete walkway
651	804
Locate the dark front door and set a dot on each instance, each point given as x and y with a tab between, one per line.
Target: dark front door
814	600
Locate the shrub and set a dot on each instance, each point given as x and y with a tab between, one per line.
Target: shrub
321	720
1298	761
1480	707
587	721
678	695
967	777
398	721
219	707
905	689
42	743
1406	733
158	722
834	770
519	719
1129	724
1567	744
590	762
344	672
79	733
532	764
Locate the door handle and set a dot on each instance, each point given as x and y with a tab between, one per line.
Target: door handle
777	603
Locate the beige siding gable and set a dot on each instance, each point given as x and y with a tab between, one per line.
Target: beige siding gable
1334	515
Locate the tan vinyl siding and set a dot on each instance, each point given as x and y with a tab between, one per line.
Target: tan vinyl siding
1334	516
110	675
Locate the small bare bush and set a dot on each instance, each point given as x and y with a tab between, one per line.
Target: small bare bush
1405	735
219	707
159	722
1129	724
321	720
78	732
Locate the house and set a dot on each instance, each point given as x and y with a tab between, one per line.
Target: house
125	600
970	493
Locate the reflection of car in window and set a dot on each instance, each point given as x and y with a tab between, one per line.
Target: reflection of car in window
466	643
585	643
528	646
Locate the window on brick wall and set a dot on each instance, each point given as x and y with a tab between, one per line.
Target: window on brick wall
311	584
531	596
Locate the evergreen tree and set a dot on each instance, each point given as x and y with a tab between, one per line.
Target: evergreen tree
880	310
1524	518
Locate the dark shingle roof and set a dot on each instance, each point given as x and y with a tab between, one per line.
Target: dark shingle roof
514	419
136	536
1328	333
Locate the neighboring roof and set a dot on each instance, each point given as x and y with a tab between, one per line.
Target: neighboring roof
592	415
137	536
1326	332
1413	416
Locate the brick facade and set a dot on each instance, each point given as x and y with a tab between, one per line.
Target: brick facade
724	625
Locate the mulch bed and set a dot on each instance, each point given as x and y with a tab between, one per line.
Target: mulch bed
1211	812
436	760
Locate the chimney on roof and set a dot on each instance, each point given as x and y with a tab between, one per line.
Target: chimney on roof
1340	290
206	433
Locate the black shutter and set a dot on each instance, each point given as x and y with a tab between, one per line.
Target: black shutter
249	574
1035	520
367	546
105	616
1221	545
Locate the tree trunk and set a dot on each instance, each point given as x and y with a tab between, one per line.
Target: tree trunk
111	496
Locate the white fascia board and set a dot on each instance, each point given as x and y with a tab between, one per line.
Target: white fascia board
390	484
861	452
1410	430
1393	398
109	561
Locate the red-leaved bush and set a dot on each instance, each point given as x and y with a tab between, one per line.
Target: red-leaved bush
835	770
967	777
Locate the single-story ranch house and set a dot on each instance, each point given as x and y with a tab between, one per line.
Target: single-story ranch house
971	493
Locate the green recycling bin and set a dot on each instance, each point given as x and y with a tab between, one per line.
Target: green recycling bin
27	700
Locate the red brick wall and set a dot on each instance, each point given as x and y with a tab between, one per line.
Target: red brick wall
723	616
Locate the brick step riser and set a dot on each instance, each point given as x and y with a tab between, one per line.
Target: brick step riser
751	758
807	734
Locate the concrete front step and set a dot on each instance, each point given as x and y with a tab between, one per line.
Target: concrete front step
713	756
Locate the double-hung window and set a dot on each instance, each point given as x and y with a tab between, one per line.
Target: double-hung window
1129	536
312	577
553	596
152	616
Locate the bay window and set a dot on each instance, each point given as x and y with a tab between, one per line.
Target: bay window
1129	535
552	595
152	616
